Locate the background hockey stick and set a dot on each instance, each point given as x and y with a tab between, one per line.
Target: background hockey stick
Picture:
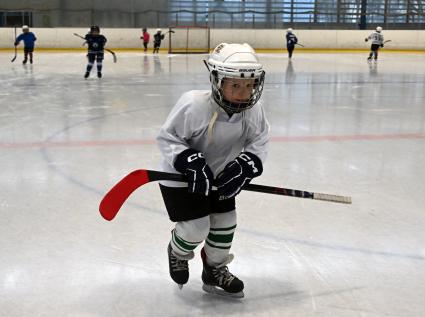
387	41
117	195
113	54
78	35
16	49
299	44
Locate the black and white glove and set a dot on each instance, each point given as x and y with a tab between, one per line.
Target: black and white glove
199	175
238	173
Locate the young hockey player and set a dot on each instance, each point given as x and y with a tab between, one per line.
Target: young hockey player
96	43
145	37
291	40
29	39
157	38
377	42
216	138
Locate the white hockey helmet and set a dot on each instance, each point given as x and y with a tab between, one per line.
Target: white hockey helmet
379	29
25	27
158	30
290	30
235	61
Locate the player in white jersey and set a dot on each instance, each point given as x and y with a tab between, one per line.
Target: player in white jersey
216	138
377	42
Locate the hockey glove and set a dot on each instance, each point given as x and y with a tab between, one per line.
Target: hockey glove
382	45
199	175
238	173
366	39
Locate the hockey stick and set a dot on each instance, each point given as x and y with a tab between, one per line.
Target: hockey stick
113	54
16	49
387	41
117	195
78	35
299	44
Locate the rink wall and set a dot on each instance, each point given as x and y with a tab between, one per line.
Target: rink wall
271	39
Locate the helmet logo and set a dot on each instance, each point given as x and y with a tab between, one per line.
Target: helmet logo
218	48
245	70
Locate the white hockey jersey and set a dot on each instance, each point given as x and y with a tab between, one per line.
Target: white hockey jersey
377	38
187	127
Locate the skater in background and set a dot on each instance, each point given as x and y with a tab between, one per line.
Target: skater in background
215	137
377	42
158	37
145	37
29	42
96	43
291	40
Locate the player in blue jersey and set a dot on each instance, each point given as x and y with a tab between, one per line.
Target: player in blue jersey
96	43
29	41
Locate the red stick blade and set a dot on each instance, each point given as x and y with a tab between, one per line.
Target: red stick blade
115	198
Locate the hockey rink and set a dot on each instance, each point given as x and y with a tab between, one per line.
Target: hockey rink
338	125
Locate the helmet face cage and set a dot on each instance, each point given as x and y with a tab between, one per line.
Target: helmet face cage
235	62
94	28
232	107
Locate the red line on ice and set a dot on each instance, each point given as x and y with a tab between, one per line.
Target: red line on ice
277	139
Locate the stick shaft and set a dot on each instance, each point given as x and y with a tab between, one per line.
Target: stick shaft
155	175
16	49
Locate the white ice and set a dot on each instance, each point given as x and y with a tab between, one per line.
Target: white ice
339	126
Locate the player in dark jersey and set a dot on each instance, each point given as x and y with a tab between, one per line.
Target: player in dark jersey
96	43
291	40
157	38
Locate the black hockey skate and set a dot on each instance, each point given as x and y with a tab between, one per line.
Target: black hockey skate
179	267
86	75
218	280
99	74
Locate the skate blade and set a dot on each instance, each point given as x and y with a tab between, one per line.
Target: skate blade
218	291
180	286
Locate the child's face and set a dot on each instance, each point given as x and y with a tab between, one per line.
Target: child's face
237	90
95	33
